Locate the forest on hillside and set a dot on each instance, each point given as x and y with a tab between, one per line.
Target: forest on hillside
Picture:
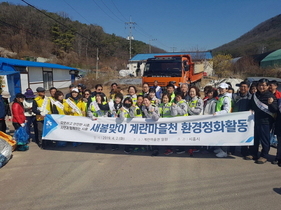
29	32
265	37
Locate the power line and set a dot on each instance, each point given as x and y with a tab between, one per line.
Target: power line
106	12
111	11
76	11
55	20
118	10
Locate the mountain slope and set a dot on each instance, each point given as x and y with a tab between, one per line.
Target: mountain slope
264	37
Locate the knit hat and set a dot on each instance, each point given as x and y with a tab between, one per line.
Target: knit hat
29	94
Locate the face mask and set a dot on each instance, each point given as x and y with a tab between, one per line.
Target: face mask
127	106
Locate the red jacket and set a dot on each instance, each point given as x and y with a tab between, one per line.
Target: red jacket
18	113
277	94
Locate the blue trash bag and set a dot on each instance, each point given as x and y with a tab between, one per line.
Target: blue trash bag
21	136
273	140
5	152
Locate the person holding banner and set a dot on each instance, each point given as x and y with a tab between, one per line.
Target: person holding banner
151	111
165	112
129	110
264	105
98	108
58	107
40	107
223	106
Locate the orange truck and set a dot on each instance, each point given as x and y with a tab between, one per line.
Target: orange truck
171	68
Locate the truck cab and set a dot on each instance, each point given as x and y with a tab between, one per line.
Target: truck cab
170	68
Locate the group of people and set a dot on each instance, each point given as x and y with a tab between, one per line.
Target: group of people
156	102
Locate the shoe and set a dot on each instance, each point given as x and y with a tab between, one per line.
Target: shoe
279	163
180	151
114	148
274	162
218	150
261	160
221	154
195	150
136	149
250	157
168	152
128	150
155	153
143	149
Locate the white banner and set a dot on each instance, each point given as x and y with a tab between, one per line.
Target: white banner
232	129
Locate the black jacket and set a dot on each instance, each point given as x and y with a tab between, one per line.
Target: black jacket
260	116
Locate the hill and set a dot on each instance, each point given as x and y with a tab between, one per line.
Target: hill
29	32
263	38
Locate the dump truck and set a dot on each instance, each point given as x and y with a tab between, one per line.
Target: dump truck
171	68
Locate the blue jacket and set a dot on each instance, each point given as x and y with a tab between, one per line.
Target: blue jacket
2	108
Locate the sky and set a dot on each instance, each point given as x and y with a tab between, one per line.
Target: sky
172	25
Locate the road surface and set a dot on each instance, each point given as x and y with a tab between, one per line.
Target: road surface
83	178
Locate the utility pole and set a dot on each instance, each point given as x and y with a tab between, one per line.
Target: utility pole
97	64
149	45
130	37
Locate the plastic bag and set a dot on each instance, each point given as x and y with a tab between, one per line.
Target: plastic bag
5	152
21	136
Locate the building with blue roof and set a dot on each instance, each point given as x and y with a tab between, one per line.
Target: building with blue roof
202	59
20	74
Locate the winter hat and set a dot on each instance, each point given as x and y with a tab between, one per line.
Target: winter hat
5	94
29	94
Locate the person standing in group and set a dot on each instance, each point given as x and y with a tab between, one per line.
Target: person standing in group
145	89
241	102
70	90
165	112
158	89
223	106
132	93
195	105
40	107
98	90
81	88
184	88
86	95
264	105
129	110
30	116
113	90
75	107
140	101
19	118
154	99
210	100
151	111
59	107
273	88
98	108
115	107
253	88
171	91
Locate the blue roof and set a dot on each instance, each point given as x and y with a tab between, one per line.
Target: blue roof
194	55
15	62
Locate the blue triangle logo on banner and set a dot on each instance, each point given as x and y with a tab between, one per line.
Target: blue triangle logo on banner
49	125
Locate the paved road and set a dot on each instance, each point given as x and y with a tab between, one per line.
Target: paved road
82	178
